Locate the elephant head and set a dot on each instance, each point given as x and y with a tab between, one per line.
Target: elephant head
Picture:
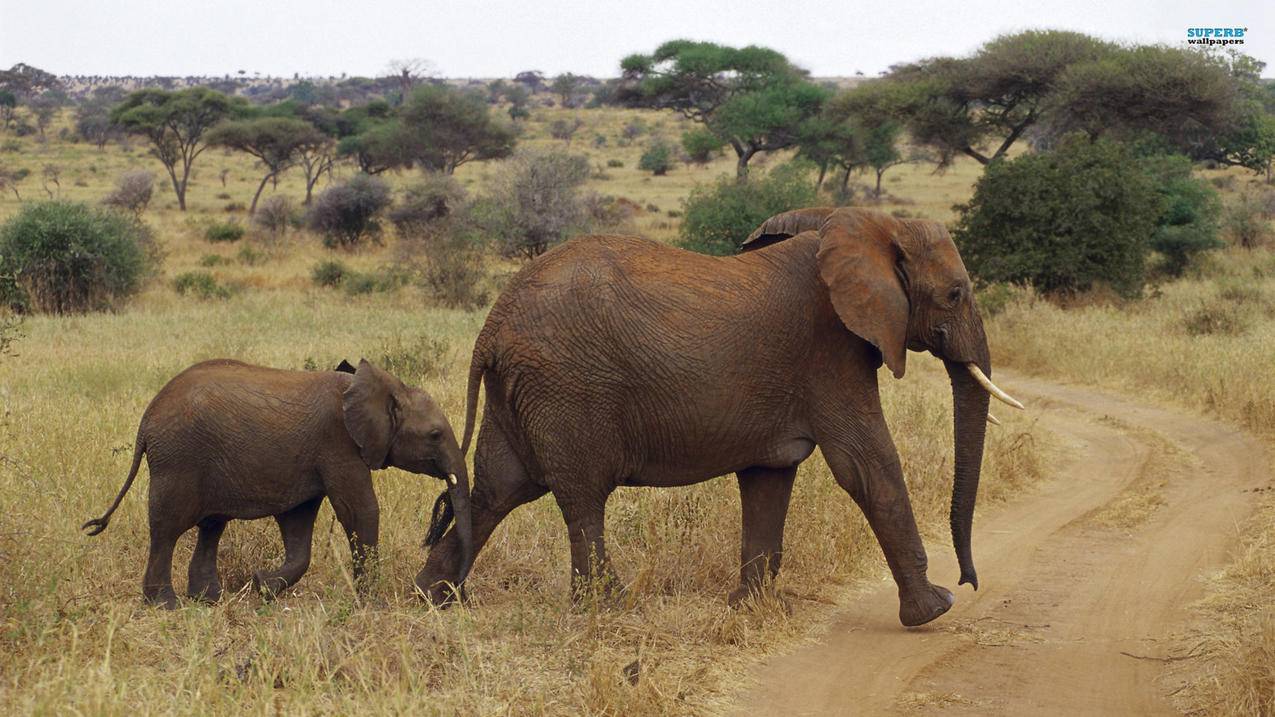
899	285
397	425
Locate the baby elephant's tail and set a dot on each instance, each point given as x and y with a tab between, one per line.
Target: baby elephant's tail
99	524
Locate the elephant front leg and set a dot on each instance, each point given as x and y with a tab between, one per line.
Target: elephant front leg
357	510
763	496
877	486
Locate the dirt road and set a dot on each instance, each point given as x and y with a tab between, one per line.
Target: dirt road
1085	580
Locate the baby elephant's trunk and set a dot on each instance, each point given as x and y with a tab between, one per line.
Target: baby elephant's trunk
454	503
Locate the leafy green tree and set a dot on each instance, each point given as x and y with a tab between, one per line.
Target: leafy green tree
566	86
981	105
657	159
1062	220
752	98
1189	211
44	108
175	124
93	122
1184	97
8	107
276	142
718	217
368	135
518	97
347	213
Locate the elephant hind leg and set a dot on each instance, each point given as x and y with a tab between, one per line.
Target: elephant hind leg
764	494
591	569
296	527
202	582
157	582
501	484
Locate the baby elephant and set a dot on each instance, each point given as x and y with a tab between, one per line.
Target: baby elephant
228	440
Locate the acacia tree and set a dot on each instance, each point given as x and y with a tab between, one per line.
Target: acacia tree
565	86
442	128
990	99
276	142
752	98
175	124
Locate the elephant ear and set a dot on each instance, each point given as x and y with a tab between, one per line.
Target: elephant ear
859	261
785	226
372	413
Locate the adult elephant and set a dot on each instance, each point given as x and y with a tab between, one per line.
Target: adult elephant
617	361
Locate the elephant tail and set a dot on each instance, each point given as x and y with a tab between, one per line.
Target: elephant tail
97	525
477	368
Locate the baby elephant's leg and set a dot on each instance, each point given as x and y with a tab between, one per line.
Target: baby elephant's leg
297	527
202	582
356	507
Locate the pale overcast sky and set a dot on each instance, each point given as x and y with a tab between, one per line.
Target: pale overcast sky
498	38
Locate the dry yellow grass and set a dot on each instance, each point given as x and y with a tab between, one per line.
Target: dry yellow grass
75	637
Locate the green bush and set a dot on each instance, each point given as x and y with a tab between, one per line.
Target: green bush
1189	210
1245	222
347	213
66	257
701	145
427	204
615	163
329	274
250	256
657	159
718	216
1063	220
224	232
202	285
211	260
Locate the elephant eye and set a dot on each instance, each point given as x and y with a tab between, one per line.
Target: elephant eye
954	295
435	435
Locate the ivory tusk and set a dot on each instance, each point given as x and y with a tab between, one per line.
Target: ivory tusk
993	419
991	388
451	478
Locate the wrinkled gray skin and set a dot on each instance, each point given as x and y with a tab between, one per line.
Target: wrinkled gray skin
226	440
617	361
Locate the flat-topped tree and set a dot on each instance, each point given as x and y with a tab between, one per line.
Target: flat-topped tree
442	128
276	142
175	124
981	105
752	98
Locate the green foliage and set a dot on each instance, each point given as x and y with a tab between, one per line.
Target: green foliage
718	216
752	97
657	159
428	203
175	124
1062	221
329	273
347	213
65	257
223	232
615	163
1246	222
201	285
276	142
414	359
701	145
1188	221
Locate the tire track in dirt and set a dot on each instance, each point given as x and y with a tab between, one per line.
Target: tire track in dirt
1087	579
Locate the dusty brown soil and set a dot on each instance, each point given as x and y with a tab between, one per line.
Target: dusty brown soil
1086	581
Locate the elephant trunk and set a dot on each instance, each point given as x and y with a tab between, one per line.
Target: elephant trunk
969	415
458	490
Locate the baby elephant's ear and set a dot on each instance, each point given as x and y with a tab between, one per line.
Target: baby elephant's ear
371	413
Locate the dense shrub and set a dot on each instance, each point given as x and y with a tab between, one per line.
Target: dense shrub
65	257
615	163
132	192
275	214
657	159
202	285
427	204
329	274
1246	221
718	216
1189	209
224	232
347	213
701	145
1063	220
535	202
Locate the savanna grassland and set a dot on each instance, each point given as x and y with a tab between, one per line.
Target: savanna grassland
76	637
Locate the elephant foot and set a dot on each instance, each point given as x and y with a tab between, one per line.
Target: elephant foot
210	594
920	605
441	593
268	586
165	599
742	595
